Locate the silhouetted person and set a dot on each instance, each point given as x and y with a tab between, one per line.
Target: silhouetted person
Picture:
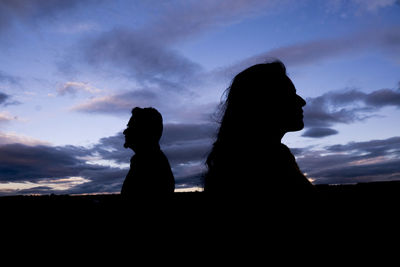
247	159
150	176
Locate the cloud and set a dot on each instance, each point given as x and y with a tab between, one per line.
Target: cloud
6	100
183	132
13	138
310	52
74	87
146	54
20	162
374	160
383	98
31	11
184	144
373	148
69	169
169	103
3	98
121	103
42	164
345	107
318	132
101	167
10	79
334	107
145	59
6	117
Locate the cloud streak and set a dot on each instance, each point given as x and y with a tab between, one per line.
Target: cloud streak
375	160
120	103
72	88
385	40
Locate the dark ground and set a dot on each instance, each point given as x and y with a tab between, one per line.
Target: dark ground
345	217
362	197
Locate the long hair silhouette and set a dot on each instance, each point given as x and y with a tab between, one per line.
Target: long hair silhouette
247	156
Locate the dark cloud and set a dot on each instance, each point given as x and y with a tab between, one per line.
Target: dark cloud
96	167
335	107
10	79
174	133
112	148
3	98
145	58
383	97
6	100
47	167
318	132
183	144
188	152
187	146
345	107
189	181
373	148
52	165
20	162
375	160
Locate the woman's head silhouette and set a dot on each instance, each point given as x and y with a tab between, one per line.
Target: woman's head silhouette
262	97
261	105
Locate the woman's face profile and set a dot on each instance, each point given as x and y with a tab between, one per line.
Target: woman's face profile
290	109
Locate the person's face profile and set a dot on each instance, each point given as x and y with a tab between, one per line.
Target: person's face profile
292	107
129	134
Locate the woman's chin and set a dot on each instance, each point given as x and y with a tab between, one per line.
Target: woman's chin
297	127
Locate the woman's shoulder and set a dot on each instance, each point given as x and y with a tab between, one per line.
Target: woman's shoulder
285	153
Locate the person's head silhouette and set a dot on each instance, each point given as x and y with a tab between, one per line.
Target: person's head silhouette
262	99
144	129
261	106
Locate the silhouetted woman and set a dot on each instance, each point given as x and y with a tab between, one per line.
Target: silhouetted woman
150	176
248	159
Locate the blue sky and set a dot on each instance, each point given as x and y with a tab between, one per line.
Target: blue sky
71	71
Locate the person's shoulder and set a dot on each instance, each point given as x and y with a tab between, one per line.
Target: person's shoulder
284	147
162	155
133	159
285	151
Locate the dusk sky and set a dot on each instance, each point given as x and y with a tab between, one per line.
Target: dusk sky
71	71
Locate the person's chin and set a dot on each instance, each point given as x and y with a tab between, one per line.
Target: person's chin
297	127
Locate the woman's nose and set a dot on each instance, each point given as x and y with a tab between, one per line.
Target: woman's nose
301	101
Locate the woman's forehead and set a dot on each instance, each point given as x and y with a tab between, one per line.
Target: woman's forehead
131	121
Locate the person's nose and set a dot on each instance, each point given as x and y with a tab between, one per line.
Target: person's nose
301	101
124	132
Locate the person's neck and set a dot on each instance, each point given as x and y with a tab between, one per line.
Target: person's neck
147	149
274	139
